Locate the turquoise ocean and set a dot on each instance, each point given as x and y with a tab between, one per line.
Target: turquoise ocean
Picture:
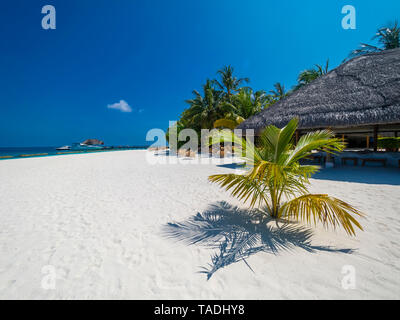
19	151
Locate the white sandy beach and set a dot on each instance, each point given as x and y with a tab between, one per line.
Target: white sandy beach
99	220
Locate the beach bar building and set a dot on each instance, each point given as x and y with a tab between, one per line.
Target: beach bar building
359	101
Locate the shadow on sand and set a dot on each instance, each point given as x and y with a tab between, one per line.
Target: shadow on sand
235	165
236	234
369	175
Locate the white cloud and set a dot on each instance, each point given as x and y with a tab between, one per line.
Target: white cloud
122	106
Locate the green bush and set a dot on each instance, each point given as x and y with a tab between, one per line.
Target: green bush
389	143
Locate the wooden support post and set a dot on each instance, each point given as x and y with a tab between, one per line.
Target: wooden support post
297	137
375	138
328	159
367	142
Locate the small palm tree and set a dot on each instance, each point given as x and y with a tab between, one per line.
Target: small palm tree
388	37
279	182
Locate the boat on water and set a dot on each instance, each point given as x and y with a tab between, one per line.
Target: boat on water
64	148
82	146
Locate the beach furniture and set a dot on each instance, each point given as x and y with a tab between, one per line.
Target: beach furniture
217	151
181	152
221	152
379	160
189	153
354	159
186	153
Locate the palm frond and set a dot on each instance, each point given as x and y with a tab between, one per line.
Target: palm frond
244	187
317	140
277	141
245	148
388	37
322	208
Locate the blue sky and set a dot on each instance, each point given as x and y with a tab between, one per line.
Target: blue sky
57	85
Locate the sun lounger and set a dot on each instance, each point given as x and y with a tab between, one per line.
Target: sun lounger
354	159
380	160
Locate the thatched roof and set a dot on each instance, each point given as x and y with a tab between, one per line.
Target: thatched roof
362	91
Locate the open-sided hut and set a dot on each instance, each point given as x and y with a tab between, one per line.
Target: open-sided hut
360	97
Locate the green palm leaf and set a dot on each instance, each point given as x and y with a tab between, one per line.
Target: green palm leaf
322	208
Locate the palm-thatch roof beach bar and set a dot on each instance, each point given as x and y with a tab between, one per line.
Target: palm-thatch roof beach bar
360	98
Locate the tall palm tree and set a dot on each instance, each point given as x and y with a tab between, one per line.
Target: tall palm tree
204	108
310	75
229	83
279	92
388	37
279	182
264	99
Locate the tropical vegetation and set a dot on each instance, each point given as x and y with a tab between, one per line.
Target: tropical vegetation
309	75
388	37
223	103
278	182
389	143
229	84
243	105
279	91
228	100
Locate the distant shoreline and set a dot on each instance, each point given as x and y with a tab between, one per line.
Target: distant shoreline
37	152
